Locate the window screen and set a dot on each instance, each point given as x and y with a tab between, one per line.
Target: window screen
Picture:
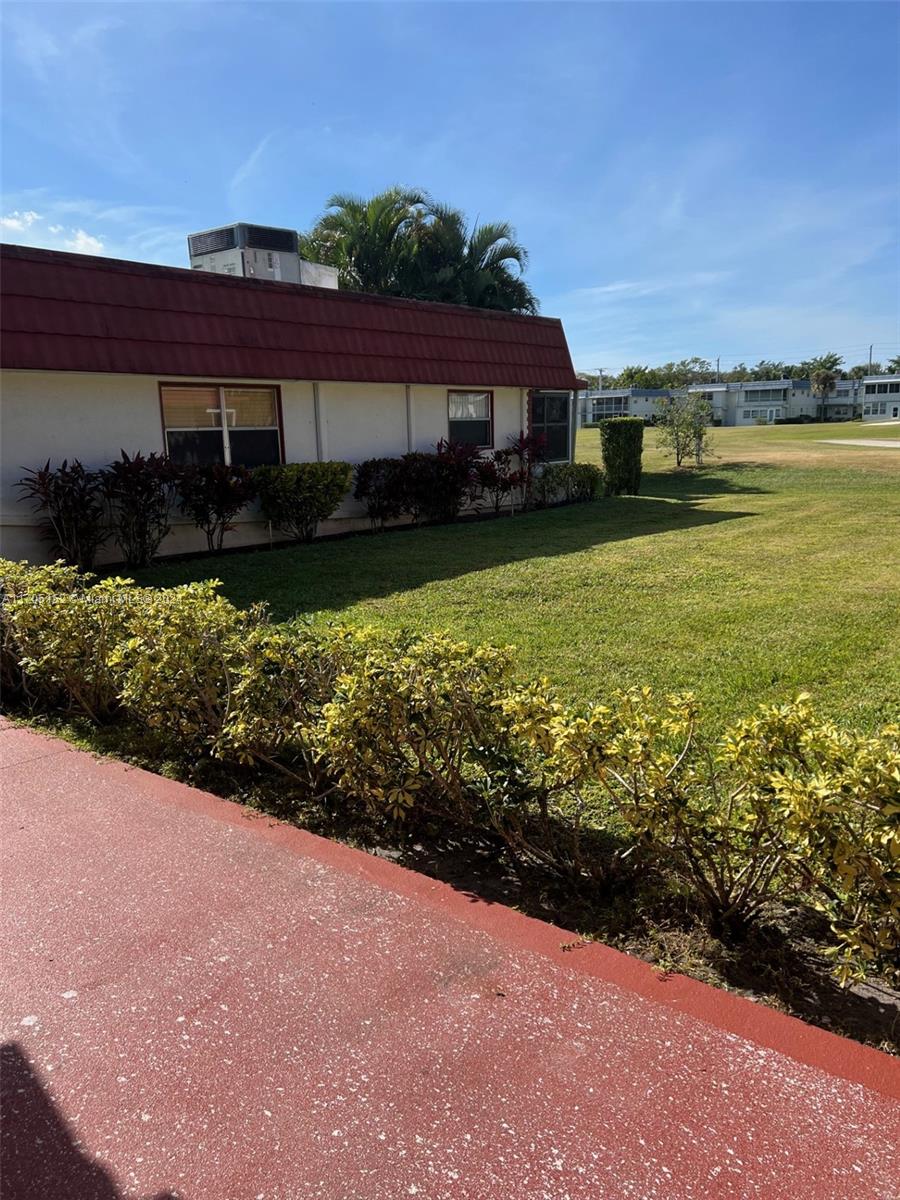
550	417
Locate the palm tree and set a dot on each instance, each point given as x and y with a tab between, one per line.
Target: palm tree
481	267
823	382
365	239
400	243
493	267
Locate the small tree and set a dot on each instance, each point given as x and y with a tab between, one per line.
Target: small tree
823	382
495	477
621	444
140	491
683	422
212	496
72	505
531	450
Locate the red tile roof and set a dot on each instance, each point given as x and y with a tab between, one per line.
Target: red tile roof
75	312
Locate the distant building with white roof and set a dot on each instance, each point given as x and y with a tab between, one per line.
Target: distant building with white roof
758	402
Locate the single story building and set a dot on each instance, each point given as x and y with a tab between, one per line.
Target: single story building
101	355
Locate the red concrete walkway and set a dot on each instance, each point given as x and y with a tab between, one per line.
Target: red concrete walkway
203	1003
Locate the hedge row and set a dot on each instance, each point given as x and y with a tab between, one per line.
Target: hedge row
438	486
131	502
782	807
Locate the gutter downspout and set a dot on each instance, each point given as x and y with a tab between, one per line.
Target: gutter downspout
321	446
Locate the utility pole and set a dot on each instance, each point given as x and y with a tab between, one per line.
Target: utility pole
870	358
717	370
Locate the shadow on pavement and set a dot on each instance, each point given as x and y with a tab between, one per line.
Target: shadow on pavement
40	1158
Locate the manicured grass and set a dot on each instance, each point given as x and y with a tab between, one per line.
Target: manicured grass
774	569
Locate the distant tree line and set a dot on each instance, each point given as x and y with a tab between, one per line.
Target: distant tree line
701	370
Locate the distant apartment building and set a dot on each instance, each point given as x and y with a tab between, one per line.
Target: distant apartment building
880	397
622	402
752	402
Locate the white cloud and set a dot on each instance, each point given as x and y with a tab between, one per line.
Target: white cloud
84	243
634	288
247	168
29	228
146	233
18	222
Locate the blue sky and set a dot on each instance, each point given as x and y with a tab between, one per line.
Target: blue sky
689	178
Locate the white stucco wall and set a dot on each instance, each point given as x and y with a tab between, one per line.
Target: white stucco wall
92	417
362	420
430	414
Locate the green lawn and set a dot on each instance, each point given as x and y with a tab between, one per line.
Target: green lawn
775	569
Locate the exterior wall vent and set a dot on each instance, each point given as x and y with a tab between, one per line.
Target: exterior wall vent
213	240
261	237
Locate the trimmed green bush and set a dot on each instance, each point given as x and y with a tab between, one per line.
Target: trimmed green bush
174	670
567	483
621	444
20	581
781	808
64	630
295	497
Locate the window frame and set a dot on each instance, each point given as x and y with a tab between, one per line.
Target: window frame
221	388
468	392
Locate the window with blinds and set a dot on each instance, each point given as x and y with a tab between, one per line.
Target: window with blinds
205	424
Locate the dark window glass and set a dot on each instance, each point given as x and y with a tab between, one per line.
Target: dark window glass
476	432
557	409
195	447
469	417
557	442
254	447
550	417
894	387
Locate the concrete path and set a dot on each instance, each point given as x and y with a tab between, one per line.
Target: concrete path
203	1003
878	443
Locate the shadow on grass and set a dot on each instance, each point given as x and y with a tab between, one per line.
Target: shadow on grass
704	483
336	574
40	1155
